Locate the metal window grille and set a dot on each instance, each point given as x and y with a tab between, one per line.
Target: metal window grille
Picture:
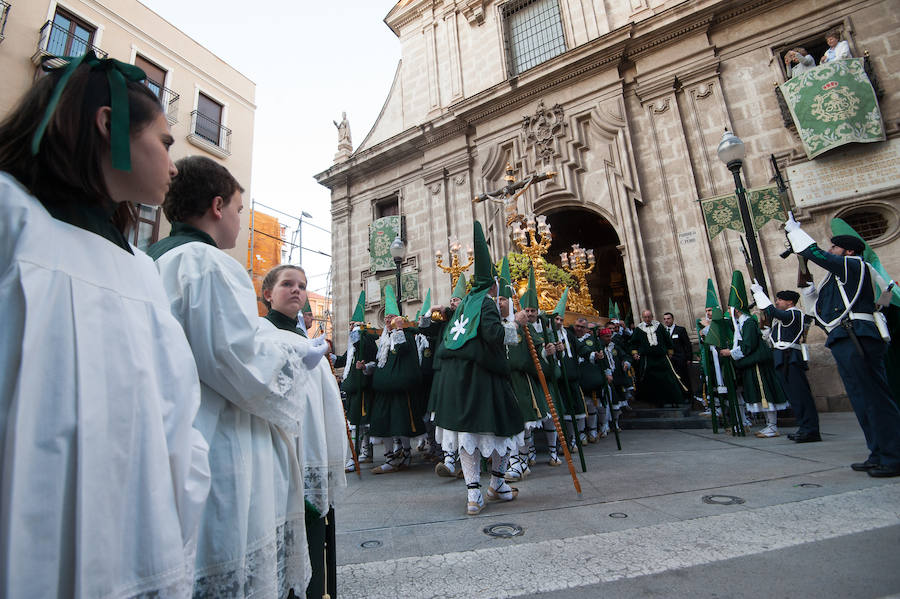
534	33
868	223
210	130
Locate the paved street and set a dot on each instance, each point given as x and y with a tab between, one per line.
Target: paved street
802	524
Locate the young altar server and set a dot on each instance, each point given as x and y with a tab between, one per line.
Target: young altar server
323	443
102	476
254	382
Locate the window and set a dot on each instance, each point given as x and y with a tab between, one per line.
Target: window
868	222
389	207
156	76
534	33
209	119
156	79
146	231
69	35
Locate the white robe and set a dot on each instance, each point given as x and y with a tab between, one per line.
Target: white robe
253	390
102	477
323	444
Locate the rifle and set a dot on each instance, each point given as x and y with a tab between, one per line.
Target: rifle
804	277
763	320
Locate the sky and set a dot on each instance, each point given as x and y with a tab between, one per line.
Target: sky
310	62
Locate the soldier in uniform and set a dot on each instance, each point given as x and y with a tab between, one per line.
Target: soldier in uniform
788	328
845	306
753	359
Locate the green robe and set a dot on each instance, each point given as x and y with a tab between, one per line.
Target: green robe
472	392
656	380
358	385
524	377
397	407
756	368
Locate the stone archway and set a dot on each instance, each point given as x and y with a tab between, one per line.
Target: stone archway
607	281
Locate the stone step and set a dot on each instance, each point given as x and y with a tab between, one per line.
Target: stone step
687	422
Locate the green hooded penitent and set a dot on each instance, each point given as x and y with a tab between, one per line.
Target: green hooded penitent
529	299
560	309
506	289
468	314
737	297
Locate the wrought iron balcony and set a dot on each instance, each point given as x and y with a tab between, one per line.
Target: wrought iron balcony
4	13
210	131
58	41
167	97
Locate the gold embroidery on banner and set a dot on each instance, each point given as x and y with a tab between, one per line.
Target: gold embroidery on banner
836	104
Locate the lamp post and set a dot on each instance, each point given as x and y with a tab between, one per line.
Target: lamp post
398	253
731	152
300	236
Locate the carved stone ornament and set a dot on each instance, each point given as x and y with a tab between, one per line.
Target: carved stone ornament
541	128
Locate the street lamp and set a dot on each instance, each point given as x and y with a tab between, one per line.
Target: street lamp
398	253
731	152
300	236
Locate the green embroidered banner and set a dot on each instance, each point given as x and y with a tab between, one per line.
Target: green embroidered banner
765	205
722	213
382	233
834	104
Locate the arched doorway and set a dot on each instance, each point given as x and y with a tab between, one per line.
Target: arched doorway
591	231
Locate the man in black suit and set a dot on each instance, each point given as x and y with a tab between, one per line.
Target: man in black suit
683	353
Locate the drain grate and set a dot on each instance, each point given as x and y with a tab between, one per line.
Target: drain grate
370	544
504	530
722	499
809	485
618	515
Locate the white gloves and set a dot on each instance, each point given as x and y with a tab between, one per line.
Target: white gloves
317	349
791	224
762	300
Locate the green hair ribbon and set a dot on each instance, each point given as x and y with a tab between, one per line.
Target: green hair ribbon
117	72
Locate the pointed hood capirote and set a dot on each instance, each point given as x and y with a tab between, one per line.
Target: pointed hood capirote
460	289
390	302
560	309
712	298
506	289
737	297
529	299
485	273
359	314
426	305
468	314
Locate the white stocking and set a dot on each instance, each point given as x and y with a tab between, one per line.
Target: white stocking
772	419
471	471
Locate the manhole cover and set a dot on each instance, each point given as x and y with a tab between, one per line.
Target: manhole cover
722	499
504	531
809	485
618	515
370	544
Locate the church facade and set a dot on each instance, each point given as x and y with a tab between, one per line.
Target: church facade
626	101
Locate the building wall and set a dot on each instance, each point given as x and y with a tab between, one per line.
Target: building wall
646	88
126	28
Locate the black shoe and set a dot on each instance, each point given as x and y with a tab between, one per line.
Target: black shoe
792	436
882	471
807	437
864	466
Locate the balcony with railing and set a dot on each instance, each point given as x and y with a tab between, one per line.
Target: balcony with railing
59	41
210	134
167	97
4	13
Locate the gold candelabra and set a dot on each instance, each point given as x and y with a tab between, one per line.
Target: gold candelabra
579	263
531	235
455	268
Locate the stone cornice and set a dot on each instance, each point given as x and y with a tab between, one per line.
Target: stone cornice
624	44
